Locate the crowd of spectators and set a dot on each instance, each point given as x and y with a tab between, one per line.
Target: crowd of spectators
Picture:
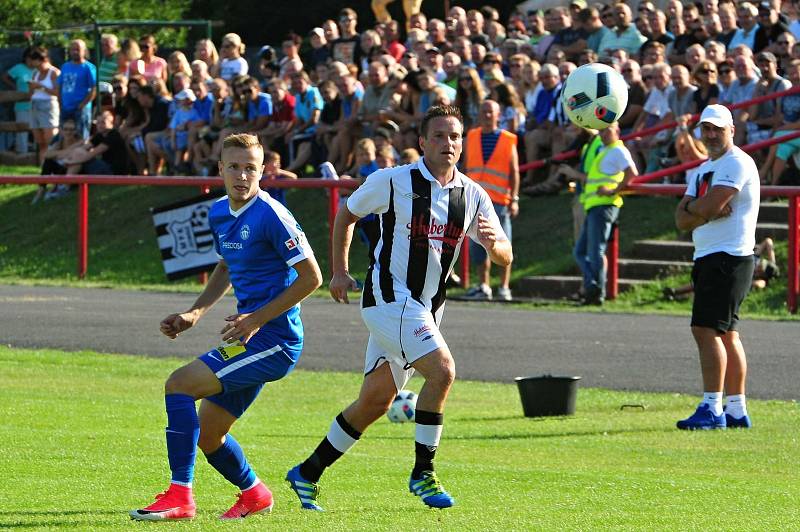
320	98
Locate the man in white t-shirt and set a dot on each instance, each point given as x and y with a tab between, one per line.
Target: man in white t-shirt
425	210
609	174
720	208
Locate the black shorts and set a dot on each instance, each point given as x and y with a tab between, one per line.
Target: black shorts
721	282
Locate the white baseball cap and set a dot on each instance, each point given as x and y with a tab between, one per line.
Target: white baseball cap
718	115
185	94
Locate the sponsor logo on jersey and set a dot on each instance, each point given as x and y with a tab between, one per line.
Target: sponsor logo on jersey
295	242
231	245
245	232
447	233
421	330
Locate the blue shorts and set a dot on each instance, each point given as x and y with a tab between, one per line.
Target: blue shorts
477	254
243	370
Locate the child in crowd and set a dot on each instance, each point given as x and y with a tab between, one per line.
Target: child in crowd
179	125
384	157
365	162
408	156
364	165
274	172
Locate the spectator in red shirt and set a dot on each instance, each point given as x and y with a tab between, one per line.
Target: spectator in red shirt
282	116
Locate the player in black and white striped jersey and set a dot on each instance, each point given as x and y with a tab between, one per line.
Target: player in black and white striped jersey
425	210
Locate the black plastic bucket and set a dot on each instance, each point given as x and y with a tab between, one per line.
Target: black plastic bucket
548	395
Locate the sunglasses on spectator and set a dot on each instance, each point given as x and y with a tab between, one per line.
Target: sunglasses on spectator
725	70
646	78
782	42
707	71
144	46
409	56
627	70
346	19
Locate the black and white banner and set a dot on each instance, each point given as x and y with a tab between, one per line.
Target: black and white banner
184	236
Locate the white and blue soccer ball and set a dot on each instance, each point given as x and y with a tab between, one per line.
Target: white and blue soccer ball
594	96
403	407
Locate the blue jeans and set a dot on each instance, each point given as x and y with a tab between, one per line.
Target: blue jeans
591	248
82	117
477	254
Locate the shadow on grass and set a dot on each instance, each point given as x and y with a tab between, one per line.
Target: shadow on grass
537	435
58	518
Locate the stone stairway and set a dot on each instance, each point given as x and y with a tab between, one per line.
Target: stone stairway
649	260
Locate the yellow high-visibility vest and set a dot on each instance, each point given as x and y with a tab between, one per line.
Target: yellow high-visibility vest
595	179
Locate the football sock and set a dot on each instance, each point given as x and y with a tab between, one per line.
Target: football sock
183	430
427	434
736	406
340	438
714	401
229	460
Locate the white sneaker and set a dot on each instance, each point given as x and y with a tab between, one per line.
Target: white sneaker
328	171
504	293
481	292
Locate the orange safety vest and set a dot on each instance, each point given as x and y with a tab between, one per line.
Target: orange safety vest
494	176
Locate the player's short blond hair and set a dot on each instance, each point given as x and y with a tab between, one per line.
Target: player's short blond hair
242	140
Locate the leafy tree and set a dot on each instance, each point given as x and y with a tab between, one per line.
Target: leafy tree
28	21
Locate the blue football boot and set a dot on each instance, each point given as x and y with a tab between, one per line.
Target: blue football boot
702	419
737	423
306	491
430	490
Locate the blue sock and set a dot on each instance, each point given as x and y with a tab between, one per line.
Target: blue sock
183	430
229	460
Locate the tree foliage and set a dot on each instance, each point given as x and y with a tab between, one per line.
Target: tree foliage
47	21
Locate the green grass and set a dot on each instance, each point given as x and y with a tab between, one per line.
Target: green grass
83	443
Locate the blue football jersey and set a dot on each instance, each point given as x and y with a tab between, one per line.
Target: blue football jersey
260	243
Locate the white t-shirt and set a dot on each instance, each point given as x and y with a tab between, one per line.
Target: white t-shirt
734	234
230	68
657	102
618	159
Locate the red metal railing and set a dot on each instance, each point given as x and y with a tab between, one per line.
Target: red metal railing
83	182
563	156
793	193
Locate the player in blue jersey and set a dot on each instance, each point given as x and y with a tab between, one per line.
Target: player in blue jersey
266	258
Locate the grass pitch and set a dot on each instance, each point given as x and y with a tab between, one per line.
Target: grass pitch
83	443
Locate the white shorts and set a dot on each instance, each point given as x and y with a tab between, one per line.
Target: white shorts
400	333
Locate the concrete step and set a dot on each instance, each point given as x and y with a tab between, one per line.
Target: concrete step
651	269
560	286
668	250
776	231
776	213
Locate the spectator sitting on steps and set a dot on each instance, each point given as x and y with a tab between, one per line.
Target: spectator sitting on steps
765	270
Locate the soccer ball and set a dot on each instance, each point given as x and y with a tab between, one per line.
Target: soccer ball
594	96
403	407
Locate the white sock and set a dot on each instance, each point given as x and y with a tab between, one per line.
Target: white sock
714	401
736	406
